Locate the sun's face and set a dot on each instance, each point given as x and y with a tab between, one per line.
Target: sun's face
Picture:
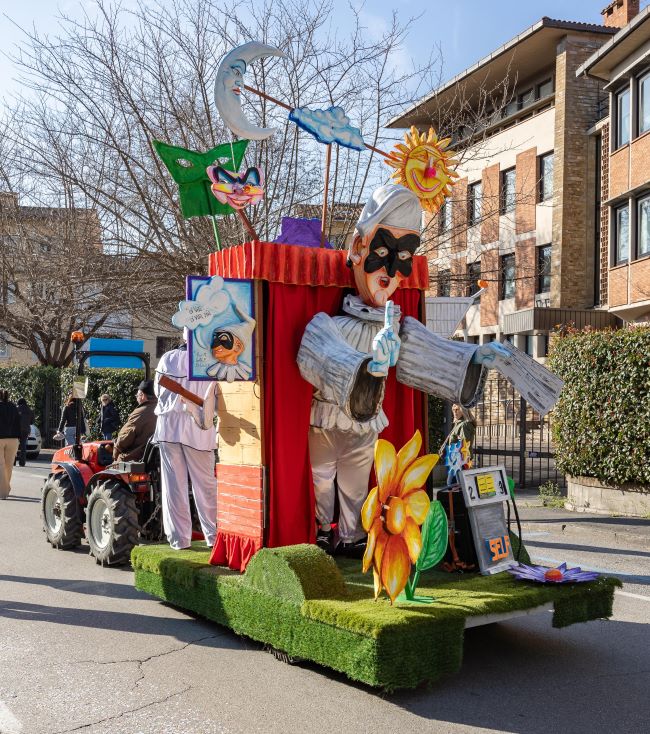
425	167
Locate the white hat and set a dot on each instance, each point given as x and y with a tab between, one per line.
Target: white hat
392	205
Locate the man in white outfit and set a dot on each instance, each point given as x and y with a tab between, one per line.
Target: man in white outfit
186	448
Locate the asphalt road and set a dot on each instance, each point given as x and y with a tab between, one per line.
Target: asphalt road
82	651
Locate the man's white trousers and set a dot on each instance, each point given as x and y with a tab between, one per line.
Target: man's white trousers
343	459
176	462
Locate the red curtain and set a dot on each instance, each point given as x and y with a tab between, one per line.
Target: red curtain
286	410
288	400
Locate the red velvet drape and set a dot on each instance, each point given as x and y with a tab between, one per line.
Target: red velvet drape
288	400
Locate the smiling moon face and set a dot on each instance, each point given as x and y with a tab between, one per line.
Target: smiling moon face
229	84
425	167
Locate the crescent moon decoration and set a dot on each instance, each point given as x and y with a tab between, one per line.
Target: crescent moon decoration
229	84
425	167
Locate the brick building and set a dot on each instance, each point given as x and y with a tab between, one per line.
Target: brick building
523	212
623	140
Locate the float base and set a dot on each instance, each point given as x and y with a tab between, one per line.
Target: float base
298	600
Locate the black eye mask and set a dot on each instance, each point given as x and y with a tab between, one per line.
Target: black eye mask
394	245
222	339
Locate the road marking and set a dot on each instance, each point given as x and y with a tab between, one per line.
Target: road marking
35	476
632	596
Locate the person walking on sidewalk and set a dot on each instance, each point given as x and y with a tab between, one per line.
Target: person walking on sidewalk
9	439
109	417
26	420
68	422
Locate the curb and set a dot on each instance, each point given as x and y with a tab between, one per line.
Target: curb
623	538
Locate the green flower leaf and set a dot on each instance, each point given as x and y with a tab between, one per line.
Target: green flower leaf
435	532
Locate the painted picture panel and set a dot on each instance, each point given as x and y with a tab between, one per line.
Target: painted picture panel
218	314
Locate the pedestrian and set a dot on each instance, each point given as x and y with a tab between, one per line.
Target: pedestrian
139	427
185	449
9	440
26	420
68	422
463	429
109	417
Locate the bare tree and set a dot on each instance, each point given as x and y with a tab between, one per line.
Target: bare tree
104	87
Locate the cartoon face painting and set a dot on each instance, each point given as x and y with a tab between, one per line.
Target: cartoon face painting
238	190
385	258
226	347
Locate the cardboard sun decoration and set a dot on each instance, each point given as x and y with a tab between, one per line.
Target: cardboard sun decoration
425	167
393	513
485	490
218	315
188	168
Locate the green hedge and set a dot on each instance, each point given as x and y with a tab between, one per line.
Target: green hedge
600	424
120	384
31	383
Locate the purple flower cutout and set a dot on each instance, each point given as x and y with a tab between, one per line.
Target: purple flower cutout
544	575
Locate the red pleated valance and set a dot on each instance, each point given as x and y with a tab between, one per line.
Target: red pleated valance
297	265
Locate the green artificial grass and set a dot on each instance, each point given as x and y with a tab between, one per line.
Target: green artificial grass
300	601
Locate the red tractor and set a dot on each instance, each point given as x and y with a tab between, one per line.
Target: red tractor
119	503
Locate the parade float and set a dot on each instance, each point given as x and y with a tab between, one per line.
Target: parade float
323	364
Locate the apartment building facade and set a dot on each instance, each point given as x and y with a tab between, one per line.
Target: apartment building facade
622	139
523	212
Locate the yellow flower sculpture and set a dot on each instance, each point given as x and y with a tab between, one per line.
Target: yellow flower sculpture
393	513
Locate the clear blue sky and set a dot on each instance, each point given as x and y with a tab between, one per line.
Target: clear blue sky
466	30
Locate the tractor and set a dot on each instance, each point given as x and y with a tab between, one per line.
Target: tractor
119	503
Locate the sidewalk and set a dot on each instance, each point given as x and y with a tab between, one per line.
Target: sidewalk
621	531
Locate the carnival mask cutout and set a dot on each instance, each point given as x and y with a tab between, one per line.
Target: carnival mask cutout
238	190
381	261
226	347
228	344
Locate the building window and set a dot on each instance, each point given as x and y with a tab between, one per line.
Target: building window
623	118
644	103
445	216
545	89
530	345
622	234
474	199
643	225
526	98
473	276
444	283
546	177
4	348
544	269
507	276
511	108
165	343
543	345
507	190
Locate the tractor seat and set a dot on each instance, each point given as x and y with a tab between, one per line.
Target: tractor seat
104	455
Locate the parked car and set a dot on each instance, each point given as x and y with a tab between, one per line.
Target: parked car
34	443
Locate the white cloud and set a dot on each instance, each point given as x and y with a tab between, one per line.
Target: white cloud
211	300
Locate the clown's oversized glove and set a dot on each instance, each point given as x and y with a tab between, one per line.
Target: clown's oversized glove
203	415
385	346
487	353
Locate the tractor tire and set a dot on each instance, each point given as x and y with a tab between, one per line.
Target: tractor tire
112	527
60	512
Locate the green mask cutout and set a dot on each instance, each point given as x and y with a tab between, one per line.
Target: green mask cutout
193	182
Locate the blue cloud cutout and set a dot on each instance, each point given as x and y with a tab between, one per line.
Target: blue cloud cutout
328	126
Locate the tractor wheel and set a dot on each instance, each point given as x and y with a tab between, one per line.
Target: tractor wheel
60	512
112	525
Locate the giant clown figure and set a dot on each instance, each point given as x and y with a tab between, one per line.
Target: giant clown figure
347	358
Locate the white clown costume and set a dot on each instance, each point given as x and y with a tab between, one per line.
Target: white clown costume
186	448
335	356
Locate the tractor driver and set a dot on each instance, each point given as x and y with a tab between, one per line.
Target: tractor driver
138	429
